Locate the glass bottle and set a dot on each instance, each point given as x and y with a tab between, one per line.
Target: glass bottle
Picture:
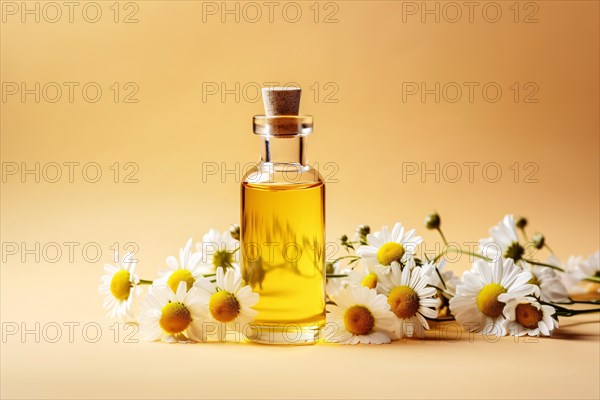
283	227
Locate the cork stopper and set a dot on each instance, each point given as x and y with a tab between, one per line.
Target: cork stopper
281	117
281	100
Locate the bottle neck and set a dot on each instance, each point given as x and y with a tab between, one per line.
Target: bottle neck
284	150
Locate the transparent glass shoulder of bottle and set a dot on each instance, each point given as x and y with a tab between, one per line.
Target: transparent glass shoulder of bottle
269	174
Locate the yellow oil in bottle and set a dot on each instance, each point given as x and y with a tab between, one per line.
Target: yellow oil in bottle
283	241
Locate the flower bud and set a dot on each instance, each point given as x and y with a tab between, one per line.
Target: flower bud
538	240
521	223
329	269
433	221
234	229
363	231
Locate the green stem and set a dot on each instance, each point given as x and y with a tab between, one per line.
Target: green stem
145	282
544	265
439	274
440	289
524	234
549	249
205	275
594	279
336	275
567	312
571	301
442	235
342	257
570	313
441	319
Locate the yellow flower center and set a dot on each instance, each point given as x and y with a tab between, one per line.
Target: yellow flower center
359	320
181	275
175	318
224	306
370	280
528	316
487	300
222	258
390	252
120	285
404	301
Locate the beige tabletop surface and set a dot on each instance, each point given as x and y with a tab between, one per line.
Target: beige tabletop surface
449	364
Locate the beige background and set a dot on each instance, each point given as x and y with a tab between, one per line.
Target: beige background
172	134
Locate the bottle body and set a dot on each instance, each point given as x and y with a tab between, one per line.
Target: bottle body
283	250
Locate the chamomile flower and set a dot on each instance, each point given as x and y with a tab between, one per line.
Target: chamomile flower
334	285
219	250
172	316
445	280
187	269
592	266
550	283
578	268
120	285
227	303
410	299
360	234
364	275
385	247
446	283
572	276
526	316
477	306
360	316
504	242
